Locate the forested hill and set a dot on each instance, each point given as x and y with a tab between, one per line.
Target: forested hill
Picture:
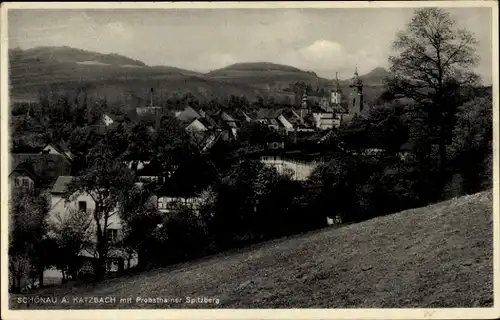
126	81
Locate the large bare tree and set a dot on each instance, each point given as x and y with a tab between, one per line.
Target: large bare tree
106	179
434	58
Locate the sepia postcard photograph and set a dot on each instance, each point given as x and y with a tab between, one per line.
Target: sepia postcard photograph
250	160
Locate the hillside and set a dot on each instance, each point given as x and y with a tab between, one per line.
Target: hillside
68	54
436	256
265	75
125	81
276	78
117	78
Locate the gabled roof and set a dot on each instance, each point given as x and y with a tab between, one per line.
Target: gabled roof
243	116
116	117
62	148
46	167
203	121
227	117
61	184
269	113
188	114
26	168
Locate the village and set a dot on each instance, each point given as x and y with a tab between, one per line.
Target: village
47	168
290	169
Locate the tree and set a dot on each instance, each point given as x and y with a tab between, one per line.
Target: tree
106	180
72	233
172	145
27	240
434	58
471	149
141	219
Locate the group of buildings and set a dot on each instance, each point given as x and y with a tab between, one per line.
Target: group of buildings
47	169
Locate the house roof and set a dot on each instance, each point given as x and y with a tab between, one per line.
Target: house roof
46	167
227	117
62	148
61	184
269	113
26	168
116	117
205	122
188	114
407	146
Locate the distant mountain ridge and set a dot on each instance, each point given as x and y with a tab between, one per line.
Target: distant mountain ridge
67	54
122	80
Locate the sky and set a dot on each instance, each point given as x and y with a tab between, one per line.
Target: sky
321	40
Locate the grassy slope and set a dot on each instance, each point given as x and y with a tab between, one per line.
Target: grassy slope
437	256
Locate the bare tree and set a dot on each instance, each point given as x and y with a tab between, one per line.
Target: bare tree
105	180
434	58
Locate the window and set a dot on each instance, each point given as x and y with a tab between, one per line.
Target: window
112	235
25	182
82	206
16	182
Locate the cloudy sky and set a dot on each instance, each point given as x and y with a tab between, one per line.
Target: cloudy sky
319	40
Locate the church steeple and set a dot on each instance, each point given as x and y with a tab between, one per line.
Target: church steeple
356	95
304	105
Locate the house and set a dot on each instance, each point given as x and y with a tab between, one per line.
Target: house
148	171
188	114
228	122
61	208
23	178
109	119
298	169
276	145
199	125
276	119
326	120
245	116
147	110
183	188
60	148
45	168
167	204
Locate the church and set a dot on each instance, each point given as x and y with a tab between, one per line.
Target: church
337	108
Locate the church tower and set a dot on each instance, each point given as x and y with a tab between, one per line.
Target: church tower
356	95
336	97
304	108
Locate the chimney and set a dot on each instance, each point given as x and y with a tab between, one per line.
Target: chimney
151	97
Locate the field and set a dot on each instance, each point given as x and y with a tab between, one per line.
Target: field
436	256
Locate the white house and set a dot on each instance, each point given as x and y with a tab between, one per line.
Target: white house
299	170
107	120
166	204
286	124
326	120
